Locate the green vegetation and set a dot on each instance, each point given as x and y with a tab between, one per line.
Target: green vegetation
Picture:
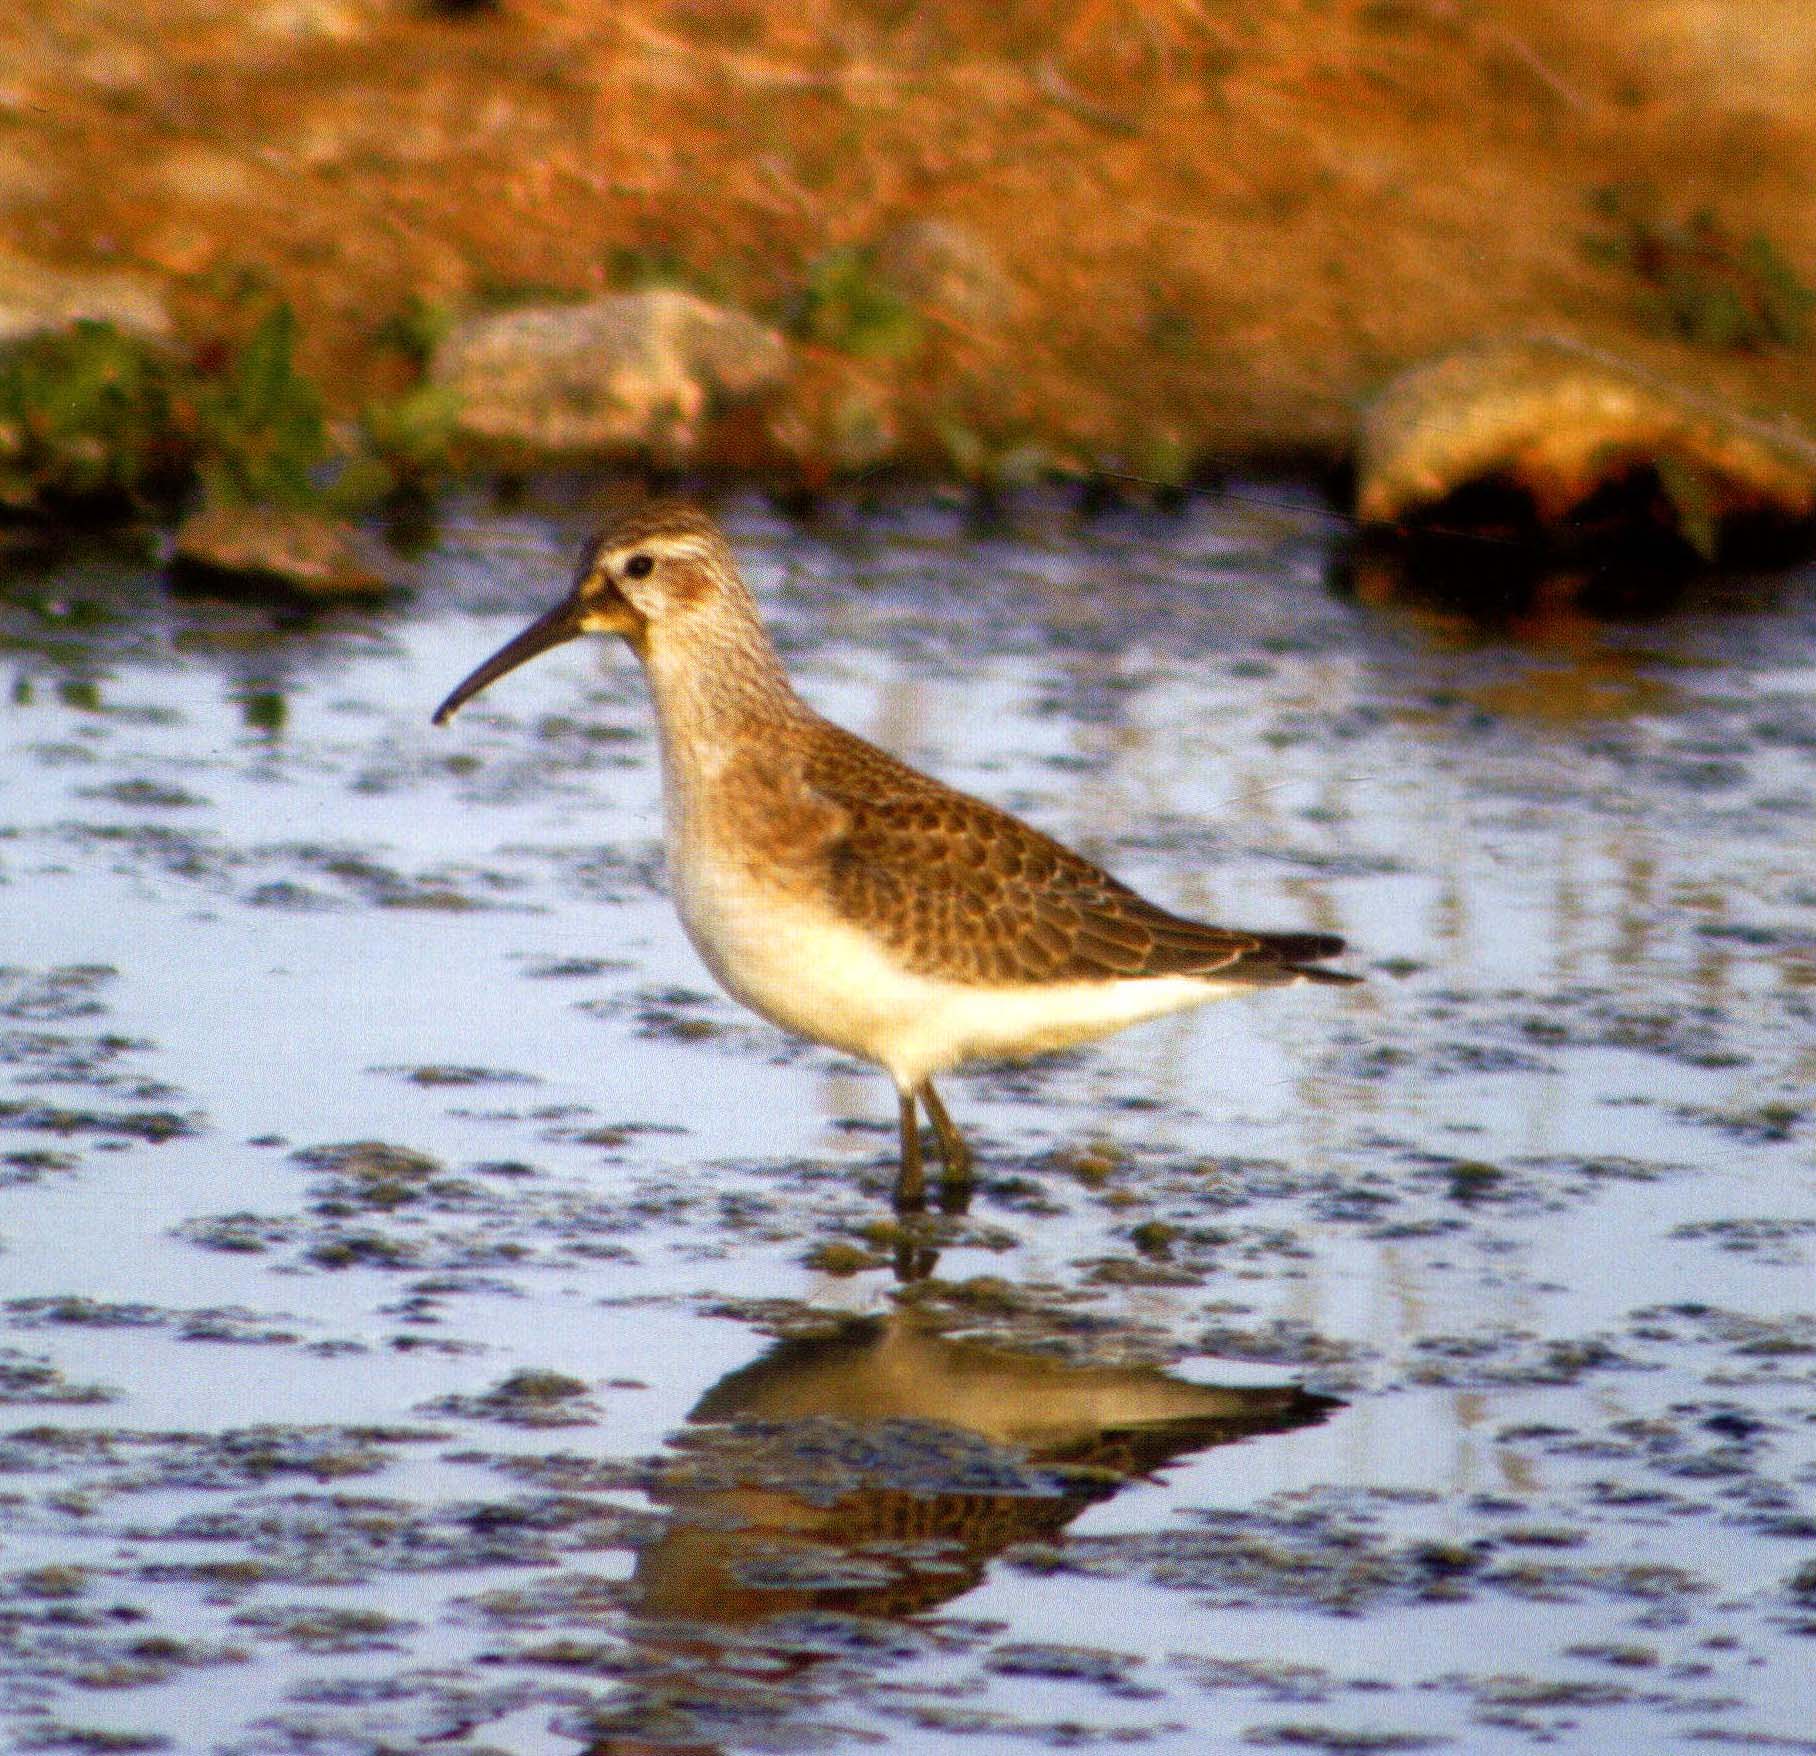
100	426
535	1385
849	305
406	443
991	467
634	269
1693	504
1700	280
836	1257
416	329
260	430
86	420
1154	1237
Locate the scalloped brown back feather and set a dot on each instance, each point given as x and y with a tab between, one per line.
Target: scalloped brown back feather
960	890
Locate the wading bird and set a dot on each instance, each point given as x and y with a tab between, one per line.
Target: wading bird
850	898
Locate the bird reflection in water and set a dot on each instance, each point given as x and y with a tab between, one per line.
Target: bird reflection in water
874	1473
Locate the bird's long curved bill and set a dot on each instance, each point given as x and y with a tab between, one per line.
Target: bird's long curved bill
563	623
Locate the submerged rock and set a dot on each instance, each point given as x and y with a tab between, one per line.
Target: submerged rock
1575	435
250	547
36	298
633	372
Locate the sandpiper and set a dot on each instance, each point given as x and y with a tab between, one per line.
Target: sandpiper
850	898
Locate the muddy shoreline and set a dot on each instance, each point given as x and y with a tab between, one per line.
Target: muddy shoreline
1158	244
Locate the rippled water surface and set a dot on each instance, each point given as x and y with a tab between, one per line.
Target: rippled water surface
434	1317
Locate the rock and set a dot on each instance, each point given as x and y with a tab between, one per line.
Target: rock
204	175
253	547
311	21
633	372
1559	421
938	264
35	298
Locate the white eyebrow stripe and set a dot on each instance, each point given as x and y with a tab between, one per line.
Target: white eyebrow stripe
676	548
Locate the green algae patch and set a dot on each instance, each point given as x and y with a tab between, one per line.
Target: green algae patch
32	1379
527	1398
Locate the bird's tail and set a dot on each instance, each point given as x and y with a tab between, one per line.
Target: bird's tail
1302	953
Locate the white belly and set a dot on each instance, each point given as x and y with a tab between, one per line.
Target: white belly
811	974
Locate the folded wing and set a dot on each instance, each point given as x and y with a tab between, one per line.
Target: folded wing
961	890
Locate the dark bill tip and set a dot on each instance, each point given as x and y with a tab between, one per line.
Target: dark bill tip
552	629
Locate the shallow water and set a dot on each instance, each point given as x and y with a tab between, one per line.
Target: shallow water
317	1446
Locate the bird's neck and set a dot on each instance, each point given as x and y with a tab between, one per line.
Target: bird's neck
718	698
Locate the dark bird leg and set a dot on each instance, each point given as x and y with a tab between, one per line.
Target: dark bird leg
915	1258
910	1181
955	1155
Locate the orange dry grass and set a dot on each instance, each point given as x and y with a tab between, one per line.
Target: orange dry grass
1224	221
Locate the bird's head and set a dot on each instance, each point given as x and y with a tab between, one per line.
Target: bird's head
653	576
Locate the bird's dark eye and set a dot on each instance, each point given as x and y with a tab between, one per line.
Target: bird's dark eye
639	567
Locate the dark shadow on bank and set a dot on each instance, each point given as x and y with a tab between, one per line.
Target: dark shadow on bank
1631	552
